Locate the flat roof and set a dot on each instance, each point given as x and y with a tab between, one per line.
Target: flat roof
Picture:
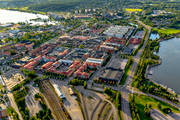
112	74
94	60
118	64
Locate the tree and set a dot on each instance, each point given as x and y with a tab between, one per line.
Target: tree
81	46
108	91
159	106
32	74
103	85
167	110
85	85
118	97
147	110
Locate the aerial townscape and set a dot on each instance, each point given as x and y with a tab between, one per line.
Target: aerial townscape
89	60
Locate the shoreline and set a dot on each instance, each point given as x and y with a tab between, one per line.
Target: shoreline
149	67
169	37
34	18
28	11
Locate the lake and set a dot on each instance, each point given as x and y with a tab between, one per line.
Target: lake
168	73
9	16
154	36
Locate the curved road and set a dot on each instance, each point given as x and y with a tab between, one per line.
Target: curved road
114	109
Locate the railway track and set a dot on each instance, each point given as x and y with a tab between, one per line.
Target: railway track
55	104
86	116
101	111
95	109
105	117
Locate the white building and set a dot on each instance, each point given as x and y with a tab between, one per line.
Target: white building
117	31
58	91
94	60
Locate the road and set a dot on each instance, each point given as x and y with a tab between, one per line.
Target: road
158	115
95	109
86	116
13	104
126	88
114	109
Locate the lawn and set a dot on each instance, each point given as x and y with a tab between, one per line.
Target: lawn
142	100
3	29
133	10
124	77
167	31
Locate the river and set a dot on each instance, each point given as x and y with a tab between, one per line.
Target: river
9	16
168	73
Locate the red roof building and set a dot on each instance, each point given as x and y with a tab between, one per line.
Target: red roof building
81	71
73	67
83	38
135	41
29	46
116	40
47	65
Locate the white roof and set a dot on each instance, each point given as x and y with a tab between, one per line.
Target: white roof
94	60
65	61
58	91
2	81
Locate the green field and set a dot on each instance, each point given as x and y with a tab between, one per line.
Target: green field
167	31
142	100
133	10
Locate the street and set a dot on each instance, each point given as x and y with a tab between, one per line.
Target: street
126	89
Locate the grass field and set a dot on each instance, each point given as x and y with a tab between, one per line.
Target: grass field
3	29
167	31
142	100
125	75
133	10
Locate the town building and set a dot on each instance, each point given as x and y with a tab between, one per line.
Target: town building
118	31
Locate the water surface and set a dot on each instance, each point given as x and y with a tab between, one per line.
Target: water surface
9	16
154	36
168	73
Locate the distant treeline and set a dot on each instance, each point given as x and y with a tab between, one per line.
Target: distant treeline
66	5
59	5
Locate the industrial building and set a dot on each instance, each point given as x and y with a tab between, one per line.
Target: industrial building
111	76
58	91
118	31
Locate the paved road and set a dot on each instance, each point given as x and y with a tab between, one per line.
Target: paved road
126	88
86	116
158	115
95	109
114	109
125	105
13	104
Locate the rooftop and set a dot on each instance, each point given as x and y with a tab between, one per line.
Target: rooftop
111	74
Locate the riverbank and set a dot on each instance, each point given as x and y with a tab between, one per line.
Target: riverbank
25	9
149	73
8	16
169	37
164	71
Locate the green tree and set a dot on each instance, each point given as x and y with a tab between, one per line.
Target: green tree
85	85
81	46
